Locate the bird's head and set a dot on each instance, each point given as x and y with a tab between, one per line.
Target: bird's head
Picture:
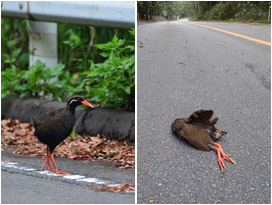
178	123
76	101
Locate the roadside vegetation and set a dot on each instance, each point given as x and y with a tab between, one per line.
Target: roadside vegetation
242	11
96	63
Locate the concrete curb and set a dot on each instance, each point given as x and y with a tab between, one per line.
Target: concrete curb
112	123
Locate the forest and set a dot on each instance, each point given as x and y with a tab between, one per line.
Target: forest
252	11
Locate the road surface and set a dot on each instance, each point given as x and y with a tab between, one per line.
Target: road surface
183	67
22	182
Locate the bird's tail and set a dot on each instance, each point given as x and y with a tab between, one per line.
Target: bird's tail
35	122
218	134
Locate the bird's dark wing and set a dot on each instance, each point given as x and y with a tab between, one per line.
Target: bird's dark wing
52	113
35	122
203	117
49	124
197	135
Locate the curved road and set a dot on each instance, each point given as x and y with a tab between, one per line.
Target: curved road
185	66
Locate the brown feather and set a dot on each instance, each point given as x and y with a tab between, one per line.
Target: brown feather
198	129
197	135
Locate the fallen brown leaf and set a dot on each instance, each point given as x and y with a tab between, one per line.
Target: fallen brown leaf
120	188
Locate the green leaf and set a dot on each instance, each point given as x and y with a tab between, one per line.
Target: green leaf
115	39
36	102
100	46
132	32
88	89
73	133
23	59
93	74
75	39
85	73
127	90
59	99
17	52
104	54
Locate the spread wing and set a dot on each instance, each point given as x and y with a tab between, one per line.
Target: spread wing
197	136
203	117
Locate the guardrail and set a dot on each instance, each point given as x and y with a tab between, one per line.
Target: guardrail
96	13
43	35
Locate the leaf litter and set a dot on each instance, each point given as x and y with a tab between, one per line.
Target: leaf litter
17	138
119	188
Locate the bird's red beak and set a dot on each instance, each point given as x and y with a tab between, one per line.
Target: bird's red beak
85	102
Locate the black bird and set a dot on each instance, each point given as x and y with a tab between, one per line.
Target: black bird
57	128
199	130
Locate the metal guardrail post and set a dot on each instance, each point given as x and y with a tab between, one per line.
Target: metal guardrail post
43	43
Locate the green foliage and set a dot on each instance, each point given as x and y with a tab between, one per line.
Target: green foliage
14	44
234	10
35	81
110	80
113	81
76	44
10	79
252	11
222	11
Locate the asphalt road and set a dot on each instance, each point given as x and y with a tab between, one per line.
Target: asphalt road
182	68
22	182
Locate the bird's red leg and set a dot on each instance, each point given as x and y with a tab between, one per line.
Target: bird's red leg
220	159
55	166
221	156
46	161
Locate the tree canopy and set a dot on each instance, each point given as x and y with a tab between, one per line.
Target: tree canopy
205	10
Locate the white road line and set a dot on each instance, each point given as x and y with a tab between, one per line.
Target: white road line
92	180
47	173
79	178
73	177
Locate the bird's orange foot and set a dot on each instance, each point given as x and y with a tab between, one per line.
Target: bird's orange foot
60	172
221	156
225	156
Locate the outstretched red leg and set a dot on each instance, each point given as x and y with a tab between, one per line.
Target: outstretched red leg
46	161
55	166
221	156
